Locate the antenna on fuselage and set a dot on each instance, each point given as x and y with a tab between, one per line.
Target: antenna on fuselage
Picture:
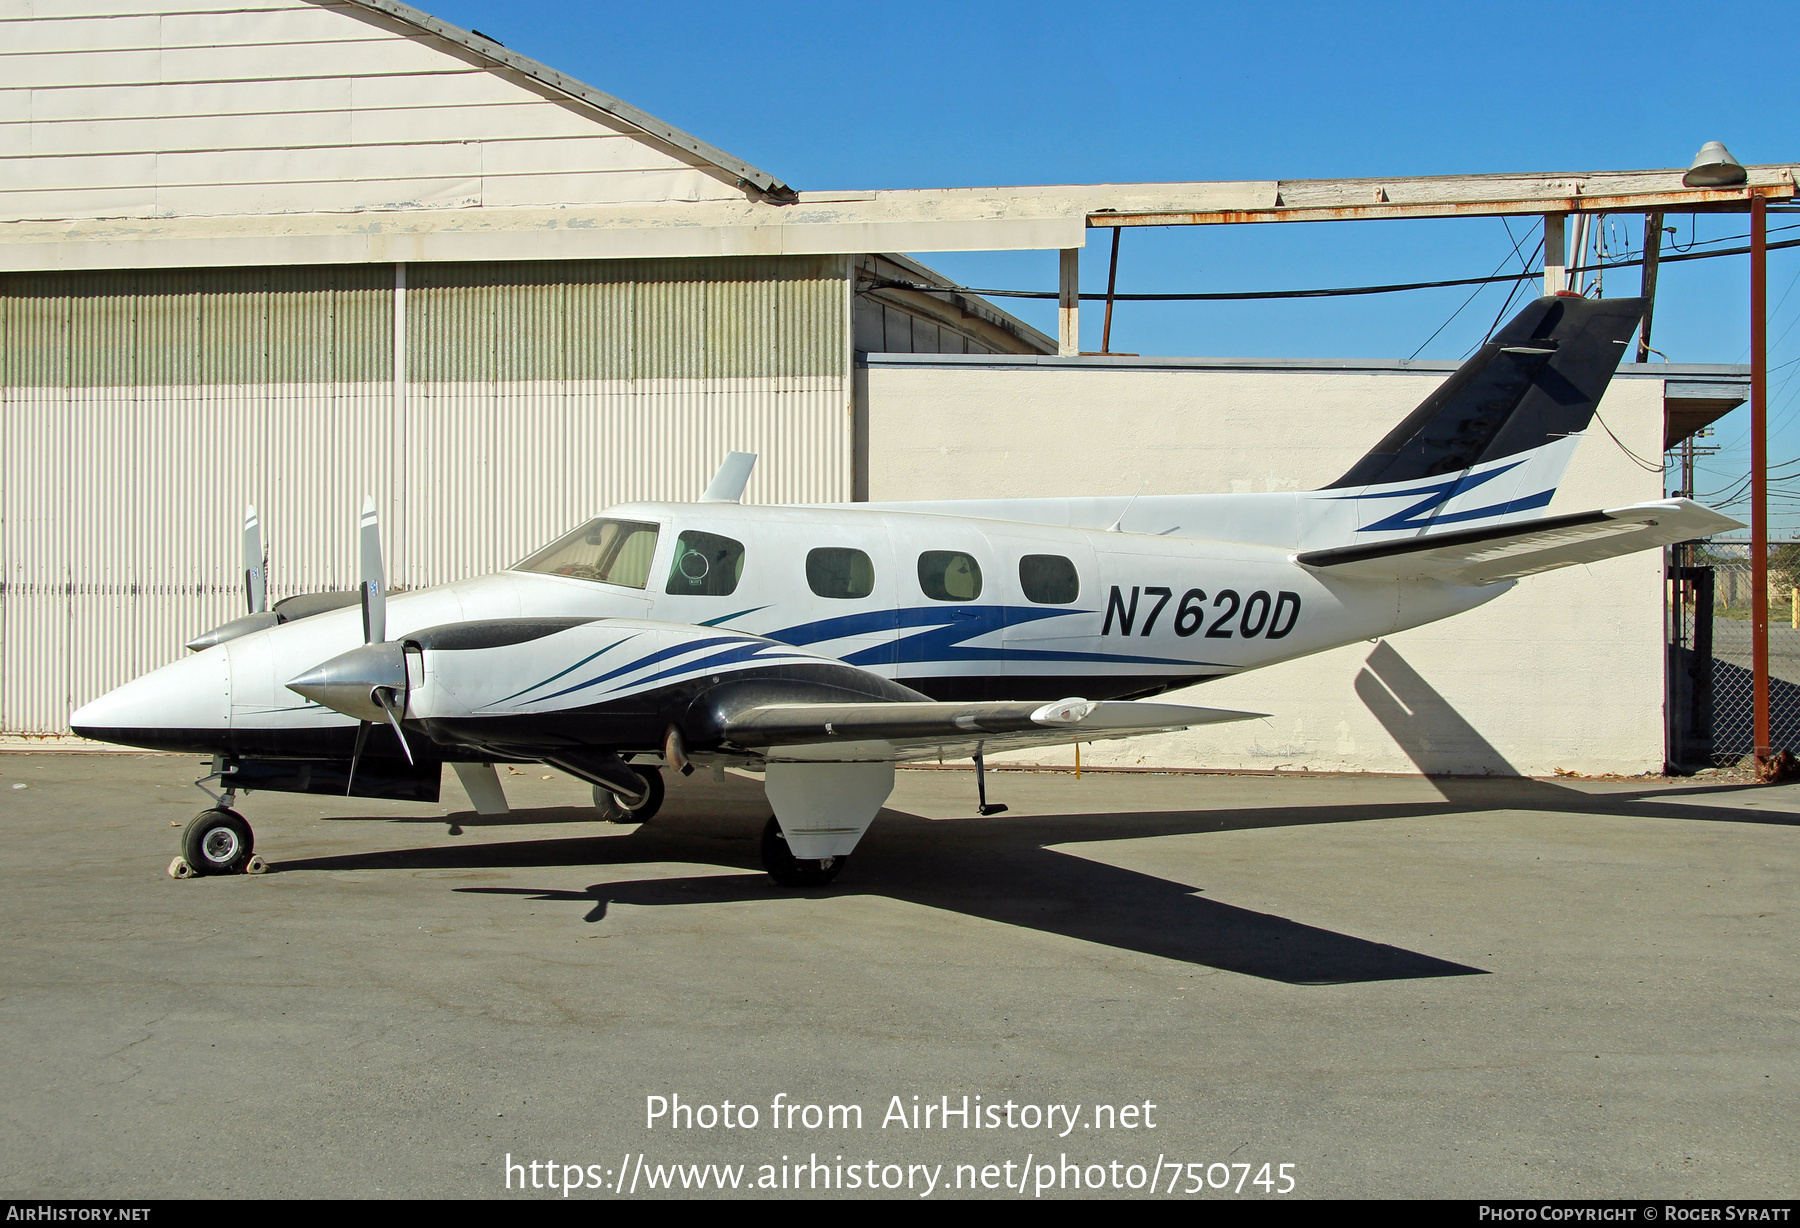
1118	526
729	482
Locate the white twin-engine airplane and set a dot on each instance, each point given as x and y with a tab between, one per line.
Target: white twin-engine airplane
820	645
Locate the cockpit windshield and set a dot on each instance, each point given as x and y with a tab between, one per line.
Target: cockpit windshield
611	551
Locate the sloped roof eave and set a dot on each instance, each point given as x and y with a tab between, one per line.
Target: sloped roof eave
618	108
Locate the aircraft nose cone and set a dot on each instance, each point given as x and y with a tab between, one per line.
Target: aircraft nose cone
185	704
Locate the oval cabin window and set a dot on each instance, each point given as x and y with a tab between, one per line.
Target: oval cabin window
1048	579
948	575
839	571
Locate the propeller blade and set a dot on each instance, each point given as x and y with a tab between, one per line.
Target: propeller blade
362	740
256	563
385	698
374	584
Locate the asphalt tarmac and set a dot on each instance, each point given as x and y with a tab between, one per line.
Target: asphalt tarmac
1396	987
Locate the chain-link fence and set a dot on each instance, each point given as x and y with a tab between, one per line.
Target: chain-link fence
1711	714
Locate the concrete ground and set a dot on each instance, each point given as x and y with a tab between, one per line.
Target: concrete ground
1398	987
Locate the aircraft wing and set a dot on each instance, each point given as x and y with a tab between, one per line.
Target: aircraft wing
955	730
1488	556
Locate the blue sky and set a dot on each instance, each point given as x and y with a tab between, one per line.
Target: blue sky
943	95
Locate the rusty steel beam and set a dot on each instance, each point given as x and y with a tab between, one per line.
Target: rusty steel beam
1633	202
1759	475
1653	228
1112	285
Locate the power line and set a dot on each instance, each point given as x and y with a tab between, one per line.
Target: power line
1332	292
1472	295
1633	457
1524	267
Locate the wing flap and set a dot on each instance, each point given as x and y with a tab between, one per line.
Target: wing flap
1488	556
918	730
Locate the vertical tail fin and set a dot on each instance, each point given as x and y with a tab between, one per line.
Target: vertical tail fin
1505	422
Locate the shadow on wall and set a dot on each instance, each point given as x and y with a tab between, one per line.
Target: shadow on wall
1433	734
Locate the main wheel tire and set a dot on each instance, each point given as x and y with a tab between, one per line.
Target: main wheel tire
789	870
613	810
218	842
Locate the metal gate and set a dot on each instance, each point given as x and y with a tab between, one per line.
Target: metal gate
1711	687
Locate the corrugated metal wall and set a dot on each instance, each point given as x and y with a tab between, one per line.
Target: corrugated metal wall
885	328
142	411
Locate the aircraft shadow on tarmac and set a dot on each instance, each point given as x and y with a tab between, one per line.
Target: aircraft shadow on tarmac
998	869
1006	869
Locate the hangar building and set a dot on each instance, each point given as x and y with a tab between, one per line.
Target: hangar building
180	339
286	252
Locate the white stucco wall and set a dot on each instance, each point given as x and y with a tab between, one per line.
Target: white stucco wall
1563	673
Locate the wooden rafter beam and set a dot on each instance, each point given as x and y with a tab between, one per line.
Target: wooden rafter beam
1341	200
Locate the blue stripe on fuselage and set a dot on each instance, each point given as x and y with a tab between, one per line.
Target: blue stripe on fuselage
1424	513
753	650
946	627
563	673
653	658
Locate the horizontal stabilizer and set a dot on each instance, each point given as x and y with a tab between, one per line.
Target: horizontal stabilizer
918	729
1488	556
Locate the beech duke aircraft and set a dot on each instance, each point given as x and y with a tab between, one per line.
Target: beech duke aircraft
820	645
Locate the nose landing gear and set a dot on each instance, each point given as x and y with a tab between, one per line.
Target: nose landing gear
218	841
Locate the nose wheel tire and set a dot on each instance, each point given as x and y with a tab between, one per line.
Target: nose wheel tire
218	842
791	871
613	810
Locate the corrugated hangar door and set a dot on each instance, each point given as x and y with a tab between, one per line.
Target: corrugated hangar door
143	410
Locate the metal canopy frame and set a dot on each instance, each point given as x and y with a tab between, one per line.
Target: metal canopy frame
1652	193
1503	195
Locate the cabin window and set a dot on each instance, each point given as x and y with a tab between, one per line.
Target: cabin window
705	565
1048	579
610	551
949	575
838	571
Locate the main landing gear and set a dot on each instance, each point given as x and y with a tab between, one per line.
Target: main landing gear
613	810
789	870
